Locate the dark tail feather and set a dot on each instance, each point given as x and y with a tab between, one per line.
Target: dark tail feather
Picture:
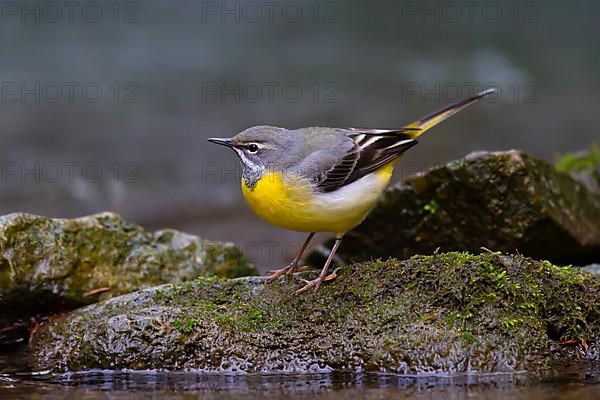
421	126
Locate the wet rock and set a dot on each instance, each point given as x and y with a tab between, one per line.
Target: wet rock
447	312
592	268
48	265
504	201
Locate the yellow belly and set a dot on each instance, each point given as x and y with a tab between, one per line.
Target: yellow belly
291	203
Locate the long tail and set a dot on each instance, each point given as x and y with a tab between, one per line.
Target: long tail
421	126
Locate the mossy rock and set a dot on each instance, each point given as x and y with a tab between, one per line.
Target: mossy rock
47	265
451	312
503	201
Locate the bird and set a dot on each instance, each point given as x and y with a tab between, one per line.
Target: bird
321	179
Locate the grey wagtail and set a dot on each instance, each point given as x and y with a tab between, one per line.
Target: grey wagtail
322	179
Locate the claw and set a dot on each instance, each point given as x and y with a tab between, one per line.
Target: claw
290	269
308	285
276	273
316	283
331	276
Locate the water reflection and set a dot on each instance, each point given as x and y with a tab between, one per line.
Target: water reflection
576	381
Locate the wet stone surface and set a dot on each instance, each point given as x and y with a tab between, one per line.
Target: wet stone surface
448	312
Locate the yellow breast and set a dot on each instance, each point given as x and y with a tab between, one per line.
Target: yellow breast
292	203
281	202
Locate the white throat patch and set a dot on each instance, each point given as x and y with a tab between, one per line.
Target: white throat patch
251	172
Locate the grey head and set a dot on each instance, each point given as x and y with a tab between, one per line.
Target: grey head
258	148
302	151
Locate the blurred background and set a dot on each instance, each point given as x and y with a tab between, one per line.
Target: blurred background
107	105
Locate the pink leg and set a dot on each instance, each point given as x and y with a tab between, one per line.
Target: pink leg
293	266
316	283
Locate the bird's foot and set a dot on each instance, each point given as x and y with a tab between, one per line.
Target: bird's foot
316	283
290	269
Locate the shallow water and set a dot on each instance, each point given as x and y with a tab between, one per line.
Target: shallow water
576	381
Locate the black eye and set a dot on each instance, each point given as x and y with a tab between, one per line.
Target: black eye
252	148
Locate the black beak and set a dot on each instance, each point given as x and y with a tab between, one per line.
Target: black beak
222	141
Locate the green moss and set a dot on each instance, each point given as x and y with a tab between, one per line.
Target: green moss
238	314
422	314
467	337
582	161
186	327
432	206
159	294
50	264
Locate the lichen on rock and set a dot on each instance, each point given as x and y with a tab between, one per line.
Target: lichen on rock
48	264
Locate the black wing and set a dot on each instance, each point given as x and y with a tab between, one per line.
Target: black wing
373	148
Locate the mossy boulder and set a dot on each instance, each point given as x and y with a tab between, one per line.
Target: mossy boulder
47	265
504	201
442	313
